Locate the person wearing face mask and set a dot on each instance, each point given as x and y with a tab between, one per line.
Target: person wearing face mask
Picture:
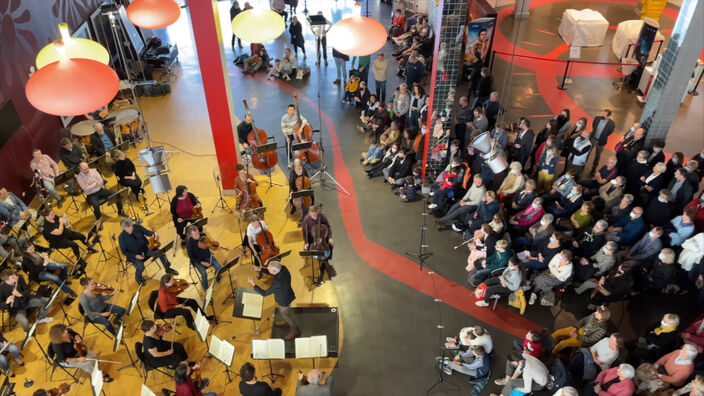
486	211
523	198
697	205
566	205
650	183
658	276
519	223
586	332
548	131
657	154
523	144
446	182
589	242
390	136
546	166
634	170
621	210
537	260
606	173
672	369
699	157
602	127
614	286
628	229
646	250
466	206
579	149
681	190
675	162
563	122
657	213
609	194
536	235
630	146
512	182
591	269
658	339
378	168
559	271
561	187
693	177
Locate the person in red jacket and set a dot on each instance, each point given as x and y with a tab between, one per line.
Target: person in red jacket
617	381
185	385
171	305
694	333
698	205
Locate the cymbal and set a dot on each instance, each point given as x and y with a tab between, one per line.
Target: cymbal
124	116
83	128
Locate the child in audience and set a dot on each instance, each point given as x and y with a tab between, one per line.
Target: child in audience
409	191
532	344
373	154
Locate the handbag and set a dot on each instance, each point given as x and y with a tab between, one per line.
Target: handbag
480	292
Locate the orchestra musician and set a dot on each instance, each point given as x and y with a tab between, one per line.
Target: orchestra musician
58	235
135	246
186	385
157	351
182	210
308	229
48	169
298	171
40	268
242	184
66	344
283	295
71	155
171	305
255	226
288	121
13	210
92	183
9	347
102	142
243	130
126	174
16	298
201	258
96	307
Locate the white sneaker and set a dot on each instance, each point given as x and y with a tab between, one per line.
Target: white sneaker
532	299
432	206
481	303
431	193
455	229
500	381
48	319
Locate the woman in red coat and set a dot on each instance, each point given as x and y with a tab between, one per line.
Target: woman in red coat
617	381
698	205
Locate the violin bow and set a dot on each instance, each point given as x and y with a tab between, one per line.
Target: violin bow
173	333
8	343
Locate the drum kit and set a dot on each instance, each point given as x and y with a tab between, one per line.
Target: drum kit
487	147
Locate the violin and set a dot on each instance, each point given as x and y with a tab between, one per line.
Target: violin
265	241
256	138
302	183
162	329
62	389
197	379
154	244
206	243
179	286
81	348
100	288
310	155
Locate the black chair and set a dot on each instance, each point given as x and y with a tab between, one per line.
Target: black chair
153	302
139	350
87	321
50	356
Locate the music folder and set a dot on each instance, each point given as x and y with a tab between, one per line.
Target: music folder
302	193
311	347
273	348
301	146
202	326
96	380
252	304
146	391
221	350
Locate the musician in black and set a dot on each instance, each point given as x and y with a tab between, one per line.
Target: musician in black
243	130
126	174
183	209
311	223
158	352
59	236
135	246
297	171
16	298
65	343
71	155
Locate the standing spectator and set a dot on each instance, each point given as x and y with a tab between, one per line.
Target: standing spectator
279	7
296	32
234	11
48	169
362	66
379	69
341	66
681	190
602	127
414	71
484	86
492	109
320	32
523	144
579	150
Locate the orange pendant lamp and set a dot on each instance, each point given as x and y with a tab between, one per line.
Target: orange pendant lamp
357	36
71	87
153	14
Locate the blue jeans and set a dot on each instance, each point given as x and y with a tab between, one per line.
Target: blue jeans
203	270
139	264
118	310
12	348
47	275
380	89
535	265
340	66
51	189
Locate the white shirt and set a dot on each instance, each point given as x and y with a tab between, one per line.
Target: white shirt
253	231
483	340
534	371
605	354
561	272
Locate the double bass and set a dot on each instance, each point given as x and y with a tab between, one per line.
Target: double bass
256	138
305	134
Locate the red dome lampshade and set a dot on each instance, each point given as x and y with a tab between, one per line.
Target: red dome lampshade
72	87
357	36
153	14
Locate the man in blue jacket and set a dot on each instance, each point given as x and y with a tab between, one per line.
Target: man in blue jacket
646	249
283	295
627	230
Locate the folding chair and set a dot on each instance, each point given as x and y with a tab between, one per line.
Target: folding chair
87	321
146	368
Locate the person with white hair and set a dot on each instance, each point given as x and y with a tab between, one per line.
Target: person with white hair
694	388
672	369
566	391
617	381
314	387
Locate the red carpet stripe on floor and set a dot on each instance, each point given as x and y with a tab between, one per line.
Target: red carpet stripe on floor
394	264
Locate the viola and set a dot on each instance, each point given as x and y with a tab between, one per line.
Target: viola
302	183
265	241
154	244
197	213
162	329
256	138
62	389
81	348
310	155
206	243
179	286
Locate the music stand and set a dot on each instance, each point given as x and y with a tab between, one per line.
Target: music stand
6	261
122	147
265	148
273	348
278	257
95	163
120	340
123	263
311	347
314	255
134	302
227	268
221	204
159	253
299	194
105	256
122	195
64	177
248	305
30	335
157	198
300	146
223	352
7	388
53	297
96	380
209	300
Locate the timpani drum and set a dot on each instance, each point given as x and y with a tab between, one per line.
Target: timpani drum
83	130
127	122
496	161
482	143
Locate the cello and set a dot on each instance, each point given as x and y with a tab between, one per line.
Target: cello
265	241
302	183
256	138
305	134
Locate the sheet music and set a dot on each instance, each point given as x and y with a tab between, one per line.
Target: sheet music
118	337
273	348
96	379
252	305
311	347
208	295
222	350
146	391
522	256
202	326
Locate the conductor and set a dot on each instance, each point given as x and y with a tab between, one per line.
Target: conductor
283	294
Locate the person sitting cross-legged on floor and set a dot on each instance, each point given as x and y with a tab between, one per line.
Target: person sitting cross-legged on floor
475	363
524	373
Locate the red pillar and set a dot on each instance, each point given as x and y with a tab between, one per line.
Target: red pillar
213	70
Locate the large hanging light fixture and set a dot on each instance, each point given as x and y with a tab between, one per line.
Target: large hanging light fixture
72	47
71	87
357	36
258	25
153	14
